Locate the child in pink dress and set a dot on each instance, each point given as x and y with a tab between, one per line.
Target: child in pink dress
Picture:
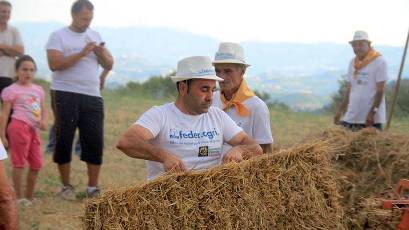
26	100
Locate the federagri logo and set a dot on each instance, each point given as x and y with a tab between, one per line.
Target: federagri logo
203	72
181	134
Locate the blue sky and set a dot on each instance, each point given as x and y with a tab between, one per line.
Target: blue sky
311	21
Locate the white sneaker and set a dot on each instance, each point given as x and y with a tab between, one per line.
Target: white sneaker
24	202
67	193
94	193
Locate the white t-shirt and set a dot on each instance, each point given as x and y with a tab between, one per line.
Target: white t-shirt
10	37
256	125
196	140
3	153
363	90
82	77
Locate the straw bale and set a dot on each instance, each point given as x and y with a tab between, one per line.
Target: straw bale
289	189
367	164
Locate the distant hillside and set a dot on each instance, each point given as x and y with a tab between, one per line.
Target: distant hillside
284	70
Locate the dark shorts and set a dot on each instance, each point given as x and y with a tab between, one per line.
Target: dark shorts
357	127
5	82
72	110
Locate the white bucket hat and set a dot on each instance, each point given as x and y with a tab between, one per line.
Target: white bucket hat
196	67
360	36
229	53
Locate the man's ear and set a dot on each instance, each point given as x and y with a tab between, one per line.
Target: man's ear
243	69
182	88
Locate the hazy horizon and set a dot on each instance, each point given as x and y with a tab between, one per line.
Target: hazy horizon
297	21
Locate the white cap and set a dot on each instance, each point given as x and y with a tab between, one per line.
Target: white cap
196	67
360	36
230	53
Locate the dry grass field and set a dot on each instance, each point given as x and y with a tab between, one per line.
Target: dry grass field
121	109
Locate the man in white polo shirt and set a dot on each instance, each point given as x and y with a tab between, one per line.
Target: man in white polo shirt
74	55
363	103
11	46
189	133
237	99
8	209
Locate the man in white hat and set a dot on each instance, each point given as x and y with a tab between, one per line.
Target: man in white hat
188	133
237	99
363	103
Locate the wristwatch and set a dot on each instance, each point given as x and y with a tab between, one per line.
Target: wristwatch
375	109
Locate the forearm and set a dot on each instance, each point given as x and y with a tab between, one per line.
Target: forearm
103	77
65	62
344	104
105	60
141	149
12	51
378	100
104	74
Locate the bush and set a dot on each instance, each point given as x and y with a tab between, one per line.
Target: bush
271	104
156	87
336	98
402	100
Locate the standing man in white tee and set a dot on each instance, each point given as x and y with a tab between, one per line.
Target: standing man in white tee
11	46
74	54
363	103
237	99
189	133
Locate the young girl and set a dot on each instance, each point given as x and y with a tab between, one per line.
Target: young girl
26	100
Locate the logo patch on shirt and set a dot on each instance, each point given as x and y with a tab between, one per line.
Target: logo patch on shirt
362	78
203	151
182	134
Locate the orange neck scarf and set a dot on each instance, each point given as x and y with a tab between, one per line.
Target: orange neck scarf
359	64
242	94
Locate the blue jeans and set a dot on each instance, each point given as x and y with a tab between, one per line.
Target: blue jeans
357	127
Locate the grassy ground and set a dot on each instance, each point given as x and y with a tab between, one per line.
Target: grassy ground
121	109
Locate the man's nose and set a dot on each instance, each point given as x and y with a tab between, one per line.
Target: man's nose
220	74
209	96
